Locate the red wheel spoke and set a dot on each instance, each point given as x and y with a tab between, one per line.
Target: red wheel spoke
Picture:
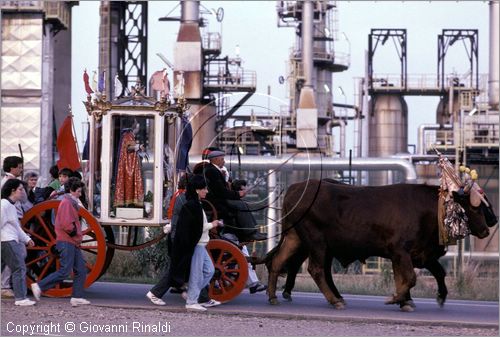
37	259
232	270
38	248
219	259
230	260
222	289
44	270
89	251
29	231
44	225
225	278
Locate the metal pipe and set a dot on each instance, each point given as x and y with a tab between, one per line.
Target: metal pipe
427	127
493	87
290	163
271	210
307	41
342	143
190	11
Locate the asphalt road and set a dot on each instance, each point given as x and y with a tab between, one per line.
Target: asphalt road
309	305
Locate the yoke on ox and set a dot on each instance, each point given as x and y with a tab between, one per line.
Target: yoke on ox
397	222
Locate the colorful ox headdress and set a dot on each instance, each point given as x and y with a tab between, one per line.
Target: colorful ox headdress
452	182
453	222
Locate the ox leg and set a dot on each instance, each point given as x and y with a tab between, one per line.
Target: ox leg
439	274
404	278
288	247
329	278
293	267
317	270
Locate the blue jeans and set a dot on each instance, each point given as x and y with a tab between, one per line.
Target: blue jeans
71	258
13	255
202	270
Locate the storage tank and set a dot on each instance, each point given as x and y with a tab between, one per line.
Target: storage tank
388	132
443	113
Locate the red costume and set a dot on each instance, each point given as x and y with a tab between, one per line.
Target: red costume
129	188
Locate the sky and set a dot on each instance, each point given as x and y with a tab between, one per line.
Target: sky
252	27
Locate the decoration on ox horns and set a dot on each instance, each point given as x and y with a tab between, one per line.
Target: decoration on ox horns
452	182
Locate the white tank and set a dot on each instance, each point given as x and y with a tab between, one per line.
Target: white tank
443	113
203	123
388	132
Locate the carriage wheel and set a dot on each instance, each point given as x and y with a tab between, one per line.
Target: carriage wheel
42	259
231	270
110	252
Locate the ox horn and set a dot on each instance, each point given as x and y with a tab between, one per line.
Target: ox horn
476	196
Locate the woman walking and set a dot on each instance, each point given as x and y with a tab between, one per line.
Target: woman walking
14	239
68	239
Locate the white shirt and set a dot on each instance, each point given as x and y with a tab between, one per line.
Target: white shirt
18	204
10	227
204	234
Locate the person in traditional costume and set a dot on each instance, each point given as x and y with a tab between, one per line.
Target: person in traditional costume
129	186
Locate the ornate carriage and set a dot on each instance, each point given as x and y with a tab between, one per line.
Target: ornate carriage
158	127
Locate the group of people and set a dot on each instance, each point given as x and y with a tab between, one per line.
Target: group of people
190	269
190	263
17	197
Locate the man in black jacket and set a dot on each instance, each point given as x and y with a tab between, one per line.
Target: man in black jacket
227	202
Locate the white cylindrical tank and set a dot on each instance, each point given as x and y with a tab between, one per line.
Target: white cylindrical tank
444	115
203	124
388	131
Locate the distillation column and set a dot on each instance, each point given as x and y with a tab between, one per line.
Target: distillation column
188	65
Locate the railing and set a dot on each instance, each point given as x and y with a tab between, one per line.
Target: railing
422	82
240	79
478	131
212	41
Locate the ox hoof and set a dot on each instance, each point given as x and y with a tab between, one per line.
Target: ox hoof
410	303
440	301
287	296
339	305
391	300
273	301
407	308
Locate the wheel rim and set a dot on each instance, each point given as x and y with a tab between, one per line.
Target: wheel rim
42	260
231	270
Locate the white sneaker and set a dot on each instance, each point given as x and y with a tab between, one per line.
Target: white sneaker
211	303
195	307
78	301
26	302
35	289
154	299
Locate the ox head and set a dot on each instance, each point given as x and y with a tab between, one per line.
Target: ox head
465	191
480	216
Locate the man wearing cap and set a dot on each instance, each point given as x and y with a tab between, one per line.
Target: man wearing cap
227	201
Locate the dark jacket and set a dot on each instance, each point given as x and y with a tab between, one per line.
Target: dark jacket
188	233
218	190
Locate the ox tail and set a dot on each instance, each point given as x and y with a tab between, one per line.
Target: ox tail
255	260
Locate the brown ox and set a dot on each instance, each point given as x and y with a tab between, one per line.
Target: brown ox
323	220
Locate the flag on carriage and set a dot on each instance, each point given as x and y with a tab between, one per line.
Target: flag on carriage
88	89
66	146
101	85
